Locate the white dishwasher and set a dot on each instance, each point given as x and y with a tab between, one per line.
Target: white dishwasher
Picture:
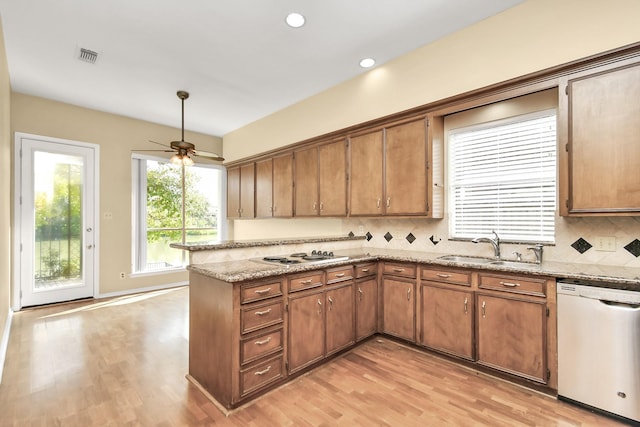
599	348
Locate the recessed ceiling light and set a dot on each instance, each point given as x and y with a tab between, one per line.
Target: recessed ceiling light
295	20
367	62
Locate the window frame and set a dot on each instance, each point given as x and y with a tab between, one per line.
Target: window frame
520	116
139	213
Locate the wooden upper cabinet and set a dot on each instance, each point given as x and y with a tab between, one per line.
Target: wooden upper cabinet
247	191
406	169
390	173
264	188
306	182
366	177
321	180
332	179
233	192
283	186
240	191
600	127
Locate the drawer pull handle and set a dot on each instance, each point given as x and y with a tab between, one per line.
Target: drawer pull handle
409	294
262	313
484	309
264	371
444	276
339	274
510	285
306	282
263	342
360	292
388	201
378	203
262	291
398	270
365	270
330	302
466	301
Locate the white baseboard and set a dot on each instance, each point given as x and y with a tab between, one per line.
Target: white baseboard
139	290
4	344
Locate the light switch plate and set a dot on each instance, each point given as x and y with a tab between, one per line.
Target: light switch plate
605	244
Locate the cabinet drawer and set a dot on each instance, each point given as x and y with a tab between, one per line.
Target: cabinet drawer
260	375
305	282
256	347
514	284
255	292
447	276
339	274
365	270
260	316
404	270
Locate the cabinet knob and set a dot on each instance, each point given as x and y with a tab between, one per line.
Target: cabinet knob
408	294
360	292
378	203
388	201
466	301
484	309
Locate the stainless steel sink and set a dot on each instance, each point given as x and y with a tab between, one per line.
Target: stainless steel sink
466	259
513	264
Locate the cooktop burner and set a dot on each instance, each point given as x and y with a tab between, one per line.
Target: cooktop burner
316	257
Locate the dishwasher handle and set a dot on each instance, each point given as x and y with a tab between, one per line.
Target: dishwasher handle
622	305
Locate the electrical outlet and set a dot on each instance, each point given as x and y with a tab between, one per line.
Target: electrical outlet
361	229
605	244
107	215
123	275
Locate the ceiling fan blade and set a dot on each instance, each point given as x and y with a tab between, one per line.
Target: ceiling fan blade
206	153
210	156
159	143
158	151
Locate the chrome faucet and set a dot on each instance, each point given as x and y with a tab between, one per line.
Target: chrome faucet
537	251
495	242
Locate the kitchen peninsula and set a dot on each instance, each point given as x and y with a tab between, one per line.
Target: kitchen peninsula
255	325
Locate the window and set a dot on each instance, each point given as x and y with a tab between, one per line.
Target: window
173	204
502	177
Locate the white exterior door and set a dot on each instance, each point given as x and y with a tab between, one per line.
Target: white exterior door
56	212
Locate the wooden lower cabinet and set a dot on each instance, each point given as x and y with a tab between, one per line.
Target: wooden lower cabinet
399	307
339	315
321	320
306	329
511	335
446	319
366	307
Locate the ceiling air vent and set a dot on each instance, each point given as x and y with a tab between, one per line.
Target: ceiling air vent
87	55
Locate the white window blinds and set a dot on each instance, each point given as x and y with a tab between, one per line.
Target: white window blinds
502	177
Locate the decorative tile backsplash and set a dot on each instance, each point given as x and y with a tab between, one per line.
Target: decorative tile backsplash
575	239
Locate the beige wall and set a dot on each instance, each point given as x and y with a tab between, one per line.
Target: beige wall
532	36
5	189
117	136
535	35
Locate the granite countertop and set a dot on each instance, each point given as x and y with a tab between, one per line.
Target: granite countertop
607	276
236	244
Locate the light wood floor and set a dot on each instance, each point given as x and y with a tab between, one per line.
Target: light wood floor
122	362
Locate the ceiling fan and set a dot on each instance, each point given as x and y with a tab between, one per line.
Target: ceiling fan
185	150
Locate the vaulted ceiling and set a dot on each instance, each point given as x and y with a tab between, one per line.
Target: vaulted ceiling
238	59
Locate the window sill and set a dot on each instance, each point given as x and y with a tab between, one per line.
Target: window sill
157	272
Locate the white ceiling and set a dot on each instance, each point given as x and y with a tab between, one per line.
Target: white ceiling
237	58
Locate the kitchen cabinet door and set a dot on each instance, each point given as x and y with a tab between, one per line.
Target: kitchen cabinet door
366	308
247	191
333	179
339	309
399	308
306	329
405	167
511	335
283	186
601	111
446	320
366	177
233	192
306	182
264	188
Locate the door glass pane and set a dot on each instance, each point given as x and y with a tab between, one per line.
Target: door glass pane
58	220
